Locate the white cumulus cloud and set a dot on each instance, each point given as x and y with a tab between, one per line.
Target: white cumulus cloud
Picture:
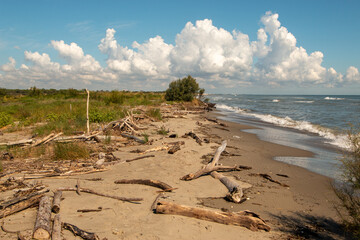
215	56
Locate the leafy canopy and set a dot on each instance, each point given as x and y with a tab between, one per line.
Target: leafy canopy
183	90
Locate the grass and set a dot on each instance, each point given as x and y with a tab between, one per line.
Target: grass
65	110
70	151
154	113
162	131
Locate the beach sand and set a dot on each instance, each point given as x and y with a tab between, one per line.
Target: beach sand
305	209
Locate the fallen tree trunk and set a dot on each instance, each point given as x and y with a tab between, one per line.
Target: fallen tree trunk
42	229
218	168
138	158
31	202
86	190
20	199
148	182
20	142
79	232
56	202
244	218
235	191
56	230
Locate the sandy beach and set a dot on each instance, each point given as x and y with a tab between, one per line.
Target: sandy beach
303	210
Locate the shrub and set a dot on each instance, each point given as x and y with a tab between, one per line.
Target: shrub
183	90
349	192
5	119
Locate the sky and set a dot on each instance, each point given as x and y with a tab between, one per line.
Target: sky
243	47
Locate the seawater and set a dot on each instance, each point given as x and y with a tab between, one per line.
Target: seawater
311	122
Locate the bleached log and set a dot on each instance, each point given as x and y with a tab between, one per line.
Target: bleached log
133	137
42	229
37	143
20	142
235	191
20	206
56	230
246	219
56	202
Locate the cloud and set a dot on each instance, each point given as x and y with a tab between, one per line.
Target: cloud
215	56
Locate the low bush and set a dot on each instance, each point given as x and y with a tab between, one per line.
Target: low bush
154	113
5	119
70	151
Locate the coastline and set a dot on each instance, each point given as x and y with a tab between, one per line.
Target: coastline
304	209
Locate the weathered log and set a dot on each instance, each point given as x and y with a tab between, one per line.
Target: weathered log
20	142
148	182
133	137
138	158
42	229
86	190
52	138
155	149
246	219
56	230
268	177
194	136
174	149
235	191
37	143
56	202
218	168
22	198
31	202
79	232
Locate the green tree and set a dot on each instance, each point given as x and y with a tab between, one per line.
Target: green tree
182	90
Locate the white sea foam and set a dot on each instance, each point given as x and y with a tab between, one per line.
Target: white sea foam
330	136
332	98
276	100
304	101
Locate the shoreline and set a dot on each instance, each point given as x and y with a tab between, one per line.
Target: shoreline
304	209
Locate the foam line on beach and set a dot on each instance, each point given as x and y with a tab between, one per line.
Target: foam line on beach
339	140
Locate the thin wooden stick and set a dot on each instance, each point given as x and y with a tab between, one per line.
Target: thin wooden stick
148	182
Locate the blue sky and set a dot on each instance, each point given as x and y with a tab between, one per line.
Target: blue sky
31	34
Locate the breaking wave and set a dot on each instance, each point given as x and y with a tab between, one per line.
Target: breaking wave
333	98
331	137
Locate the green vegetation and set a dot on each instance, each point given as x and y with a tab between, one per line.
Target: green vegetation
349	193
70	151
146	137
162	131
154	113
183	90
65	110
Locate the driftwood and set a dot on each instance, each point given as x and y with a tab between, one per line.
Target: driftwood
133	137
217	122
194	136
79	232
148	182
174	149
138	158
235	191
99	209
31	202
246	219
37	143
86	190
22	198
56	202
18	143
42	229
56	230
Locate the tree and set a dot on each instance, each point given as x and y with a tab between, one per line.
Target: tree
183	90
349	192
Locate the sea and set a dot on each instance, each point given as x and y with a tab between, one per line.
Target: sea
317	123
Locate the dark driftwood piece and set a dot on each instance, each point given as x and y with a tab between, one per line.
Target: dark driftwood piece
246	219
86	190
194	136
56	230
31	202
235	191
99	209
138	158
56	202
20	199
148	182
133	137
174	149
79	232
42	229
